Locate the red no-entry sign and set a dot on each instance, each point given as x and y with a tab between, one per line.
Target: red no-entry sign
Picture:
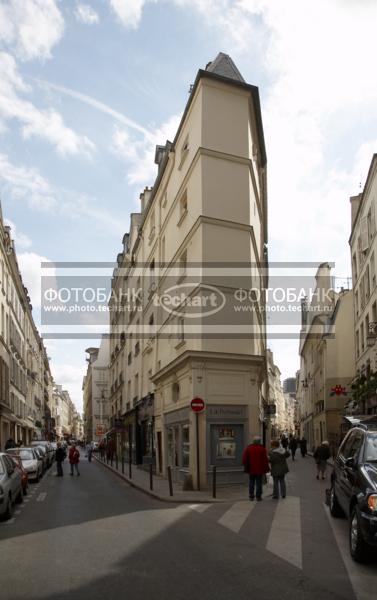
197	405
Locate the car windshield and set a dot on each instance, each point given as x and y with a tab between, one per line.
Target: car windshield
26	455
371	448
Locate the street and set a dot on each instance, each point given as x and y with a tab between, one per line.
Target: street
93	536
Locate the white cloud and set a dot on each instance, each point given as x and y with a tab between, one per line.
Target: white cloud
44	124
129	12
22	240
27	184
85	14
138	152
30	28
30	265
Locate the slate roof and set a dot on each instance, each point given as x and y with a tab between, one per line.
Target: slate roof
224	66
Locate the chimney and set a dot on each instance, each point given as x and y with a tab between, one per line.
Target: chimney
144	198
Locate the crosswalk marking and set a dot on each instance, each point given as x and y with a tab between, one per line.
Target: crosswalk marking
285	533
41	496
200	508
236	516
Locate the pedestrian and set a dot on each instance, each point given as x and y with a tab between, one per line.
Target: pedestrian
321	456
284	441
279	468
10	444
60	455
74	459
89	450
293	446
255	461
303	446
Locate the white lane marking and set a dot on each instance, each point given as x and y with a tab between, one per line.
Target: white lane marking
200	508
284	539
41	496
363	579
237	514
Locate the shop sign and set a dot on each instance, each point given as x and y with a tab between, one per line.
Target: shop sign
197	405
228	412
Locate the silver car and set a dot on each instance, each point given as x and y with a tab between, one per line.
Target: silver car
48	448
32	462
10	486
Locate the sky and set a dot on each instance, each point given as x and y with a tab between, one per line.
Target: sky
87	89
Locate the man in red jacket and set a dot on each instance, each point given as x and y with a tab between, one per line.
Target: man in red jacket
255	461
74	459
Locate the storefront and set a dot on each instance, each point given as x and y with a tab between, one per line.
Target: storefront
226	439
177	436
145	420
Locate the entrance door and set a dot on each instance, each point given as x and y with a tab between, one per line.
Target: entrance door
173	450
159	450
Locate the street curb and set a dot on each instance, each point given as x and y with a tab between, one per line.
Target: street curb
171	499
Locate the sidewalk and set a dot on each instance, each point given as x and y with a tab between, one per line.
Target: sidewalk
140	481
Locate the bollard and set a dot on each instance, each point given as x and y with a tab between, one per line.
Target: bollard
122	464
151	476
116	461
170	482
214	482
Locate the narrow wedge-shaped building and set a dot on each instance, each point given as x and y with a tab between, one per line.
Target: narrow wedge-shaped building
190	320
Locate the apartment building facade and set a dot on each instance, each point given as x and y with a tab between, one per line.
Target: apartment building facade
204	218
327	361
363	246
278	417
96	393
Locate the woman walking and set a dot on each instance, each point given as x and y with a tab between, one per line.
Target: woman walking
321	456
74	459
279	468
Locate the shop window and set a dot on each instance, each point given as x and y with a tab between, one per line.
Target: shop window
185	445
226	444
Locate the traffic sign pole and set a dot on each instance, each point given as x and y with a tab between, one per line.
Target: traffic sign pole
197	406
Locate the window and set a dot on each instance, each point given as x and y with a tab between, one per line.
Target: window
183	264
367	283
136	390
226	443
373	271
362	336
185	445
182	207
152	226
175	391
374	312
354	265
137	348
184	151
357	303
357	344
367	324
181	329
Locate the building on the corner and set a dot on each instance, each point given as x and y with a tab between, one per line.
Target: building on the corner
206	211
326	369
363	246
96	420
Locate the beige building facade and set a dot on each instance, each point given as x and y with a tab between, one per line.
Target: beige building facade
326	369
201	235
96	421
363	246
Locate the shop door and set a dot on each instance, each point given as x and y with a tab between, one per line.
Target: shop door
172	450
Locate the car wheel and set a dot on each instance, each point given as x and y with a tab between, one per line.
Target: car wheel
358	546
9	510
335	508
20	497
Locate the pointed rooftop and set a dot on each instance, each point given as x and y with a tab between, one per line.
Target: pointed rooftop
225	67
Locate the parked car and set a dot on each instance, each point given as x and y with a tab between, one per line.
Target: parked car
354	487
32	462
24	476
41	450
47	448
10	486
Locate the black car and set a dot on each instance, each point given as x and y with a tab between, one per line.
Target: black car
354	487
